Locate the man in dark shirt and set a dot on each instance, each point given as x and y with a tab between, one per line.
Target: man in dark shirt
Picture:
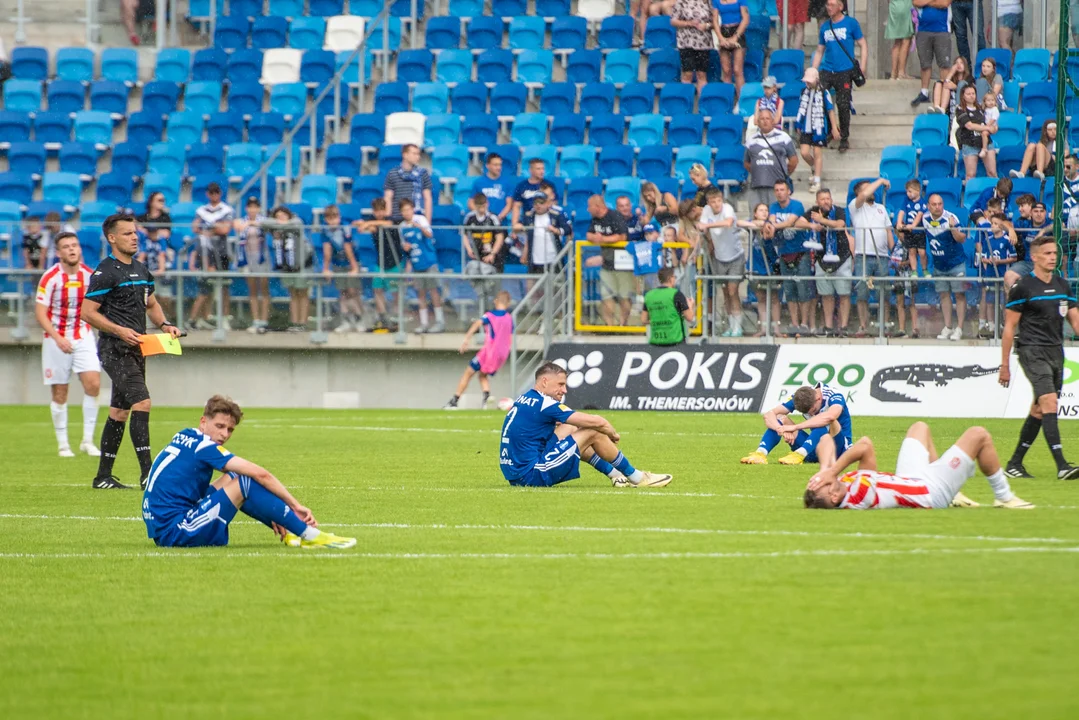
120	296
1037	305
607	228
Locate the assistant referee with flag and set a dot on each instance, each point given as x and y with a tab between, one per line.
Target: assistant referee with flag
120	296
1037	306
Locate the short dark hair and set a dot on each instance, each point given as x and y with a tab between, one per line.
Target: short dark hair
406	146
665	274
479	199
223	405
1026	199
405	201
781	181
252	200
993	202
814	500
213	188
804	398
713	192
549	368
283	208
492	156
110	223
63	235
378	204
331	210
533	161
1043	240
1004	185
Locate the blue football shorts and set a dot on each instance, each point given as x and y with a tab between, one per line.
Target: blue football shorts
205	525
842	444
560	461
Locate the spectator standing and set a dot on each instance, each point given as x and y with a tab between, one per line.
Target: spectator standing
816	124
795	22
662	207
391	259
762	260
727	257
257	260
1040	155
155	221
642	10
482	244
292	254
989	81
1009	22
339	259
694	21
495	188
607	228
970	122
934	41
732	19
945	239
794	262
155	229
526	192
34	244
908	226
835	265
666	311
834	57
417	242
409	180
213	223
698	175
952	81
963	26
547	236
900	30
900	262
873	243
996	253
770	156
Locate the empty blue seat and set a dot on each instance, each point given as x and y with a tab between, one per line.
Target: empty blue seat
79	158
318	190
569	32
558	98
93	213
754	66
317	67
225	128
1038	98
184	128
567	129
266	128
494	66
508	8
622	66
787	65
728	169
130	158
269	32
50	127
722	130
209	64
897	162
646	130
27	158
508	98
1010	91
654	162
616	33
686	130
466	8
75	64
430	98
1031	65
61	187
581	189
527	33
326	8
22	95
717	99
349	67
160	97
30	63
659	33
115	187
606	130
1010	158
246	8
480	130
14	127
449	161
950	190
244	66
975	187
283	164
578	161
343	160
443	33
231	31
66	96
615	161
553	8
242	160
665	66
286	8
93	126
367	188
167	158
1013	130
145	127
598	99
511	159
462	191
441	129
380	37
391	98
205	159
791	94
454	66
484	33
1001	56
1022	186
289	99
689	155
747	100
676	99
929	130
306	33
469	98
584	66
414	65
245	97
367	129
120	65
546	153
167	185
529	129
173	65
203	97
16	187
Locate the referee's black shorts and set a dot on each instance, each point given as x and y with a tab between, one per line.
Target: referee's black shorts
126	367
1044	368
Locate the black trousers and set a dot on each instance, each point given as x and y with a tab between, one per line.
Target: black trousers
841	83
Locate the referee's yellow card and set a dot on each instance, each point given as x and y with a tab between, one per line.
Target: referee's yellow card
160	344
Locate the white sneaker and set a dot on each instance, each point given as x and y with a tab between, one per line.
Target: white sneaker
225	324
90	449
814	184
619	480
1016	174
66	452
962	501
437	328
945	334
421	330
957	334
253	328
343	328
652	480
203	324
1039	174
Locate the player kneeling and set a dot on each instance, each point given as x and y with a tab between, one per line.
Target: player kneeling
921	478
182	508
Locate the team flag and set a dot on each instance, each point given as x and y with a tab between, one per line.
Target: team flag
160	344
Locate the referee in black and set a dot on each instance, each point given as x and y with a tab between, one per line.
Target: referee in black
120	296
1037	306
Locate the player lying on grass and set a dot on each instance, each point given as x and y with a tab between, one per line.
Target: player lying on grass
543	441
921	478
825	414
182	508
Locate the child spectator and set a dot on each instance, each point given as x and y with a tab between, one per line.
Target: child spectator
992	117
254	257
34	244
291	254
391	258
213	222
416	241
902	266
727	258
763	258
497	325
996	253
771	101
816	124
483	245
339	258
908	225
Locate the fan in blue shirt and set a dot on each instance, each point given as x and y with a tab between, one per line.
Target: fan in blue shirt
495	187
543	440
836	42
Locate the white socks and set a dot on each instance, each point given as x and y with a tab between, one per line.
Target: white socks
802	451
59	423
89	418
440	317
311	533
636	476
425	316
1001	490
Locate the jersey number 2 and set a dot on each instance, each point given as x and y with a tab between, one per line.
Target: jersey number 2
172	453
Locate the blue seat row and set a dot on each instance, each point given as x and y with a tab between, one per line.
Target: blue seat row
200	9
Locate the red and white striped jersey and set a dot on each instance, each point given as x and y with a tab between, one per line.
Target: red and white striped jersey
872	490
62	294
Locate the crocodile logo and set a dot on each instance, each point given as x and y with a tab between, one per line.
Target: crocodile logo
919	375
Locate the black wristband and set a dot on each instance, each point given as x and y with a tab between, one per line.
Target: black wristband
164	325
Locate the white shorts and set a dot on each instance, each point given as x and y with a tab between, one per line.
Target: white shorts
945	477
57	366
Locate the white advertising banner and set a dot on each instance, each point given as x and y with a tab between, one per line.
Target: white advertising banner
913	381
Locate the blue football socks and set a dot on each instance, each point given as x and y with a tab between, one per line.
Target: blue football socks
267	508
600	464
623	466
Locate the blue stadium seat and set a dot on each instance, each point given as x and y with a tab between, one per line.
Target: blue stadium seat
14	127
449	161
378	37
367	129
454	66
10	218
559	99
182	127
160	97
318	190
16	187
1011	158
598	99
494	66
1038	98
245	98
61	187
466	8
508	98
343	160
349	67
79	158
950	189
286	8
209	65
975	187
282	164
205	159
723	130
511	158
269	32
787	65
581	189
526	33
728	169
307	33
1022	186
1036	124
578	161
546	153
686	130
616	33
622	66
637	98
266	128
67	96
484	33
225	128
619	186
326	8
30	63
365	8
897	163
1049	193
1031	65
203	97
717	99
1001	56
529	129
480	130
1013	130
666	66
242	160
244	66
430	98
93	213
1010	91
747	100
130	158
659	33
462	191
646	129
90	240
616	161
676	99
245	8
168	185
22	95
607	129
896	198
553	8
120	65
469	98
290	99
367	188
75	64
115	187
654	162
317	67
50	127
443	33
584	66
441	129
567	129
27	158
93	127
688	155
145	127
791	94
508	8
167	158
173	65
754	66
391	98
569	32
415	65
231	31
929	130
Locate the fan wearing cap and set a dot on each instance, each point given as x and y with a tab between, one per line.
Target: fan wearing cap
816	124
770	100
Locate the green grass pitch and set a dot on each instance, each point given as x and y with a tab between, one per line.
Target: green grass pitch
717	596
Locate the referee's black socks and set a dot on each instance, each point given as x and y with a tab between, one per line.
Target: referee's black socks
1031	427
1052	436
111	437
140	437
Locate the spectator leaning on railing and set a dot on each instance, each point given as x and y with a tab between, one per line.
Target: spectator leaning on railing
213	223
727	258
387	241
794	260
292	254
873	242
417	241
835	266
482	244
945	239
339	264
996	253
607	228
547	236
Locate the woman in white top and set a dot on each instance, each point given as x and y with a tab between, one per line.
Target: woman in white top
727	258
1009	21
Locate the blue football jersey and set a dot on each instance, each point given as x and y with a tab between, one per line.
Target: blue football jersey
830	398
180	477
526	431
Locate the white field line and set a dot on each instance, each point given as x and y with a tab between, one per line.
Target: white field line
467	431
621	530
347	555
